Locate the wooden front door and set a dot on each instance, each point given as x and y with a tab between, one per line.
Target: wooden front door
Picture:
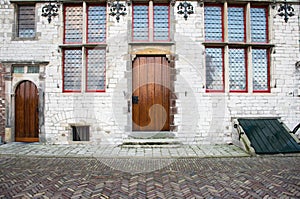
26	113
151	94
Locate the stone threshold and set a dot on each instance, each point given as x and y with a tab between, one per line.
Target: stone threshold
151	139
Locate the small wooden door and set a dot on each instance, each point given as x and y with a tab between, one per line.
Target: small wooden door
151	94
26	113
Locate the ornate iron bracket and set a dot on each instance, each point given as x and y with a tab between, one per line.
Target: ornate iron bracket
185	8
50	11
286	11
117	9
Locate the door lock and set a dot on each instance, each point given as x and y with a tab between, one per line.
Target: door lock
135	99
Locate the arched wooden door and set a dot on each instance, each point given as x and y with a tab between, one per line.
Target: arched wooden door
26	113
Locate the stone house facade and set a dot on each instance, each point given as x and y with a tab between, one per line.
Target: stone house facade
87	78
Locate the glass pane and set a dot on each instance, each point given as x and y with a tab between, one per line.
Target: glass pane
73	24
258	25
260	69
18	69
26	21
237	69
214	68
236	26
72	69
96	24
161	22
33	69
140	23
213	23
96	69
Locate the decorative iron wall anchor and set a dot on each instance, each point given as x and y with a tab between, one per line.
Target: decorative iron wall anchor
185	8
286	11
117	9
50	11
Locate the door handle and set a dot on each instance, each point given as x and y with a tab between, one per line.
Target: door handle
135	99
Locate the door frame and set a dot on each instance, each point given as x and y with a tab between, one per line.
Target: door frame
12	80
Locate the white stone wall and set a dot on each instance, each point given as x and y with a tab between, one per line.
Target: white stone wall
202	118
95	109
215	111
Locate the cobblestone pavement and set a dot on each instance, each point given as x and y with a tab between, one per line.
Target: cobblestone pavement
69	177
84	150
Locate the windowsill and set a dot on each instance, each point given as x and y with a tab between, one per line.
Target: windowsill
24	39
239	44
153	43
25	62
240	93
80	45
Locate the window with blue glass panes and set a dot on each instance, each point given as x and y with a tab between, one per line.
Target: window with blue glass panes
80	60
26	21
228	38
141	26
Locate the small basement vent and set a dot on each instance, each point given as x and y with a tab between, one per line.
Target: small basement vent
81	133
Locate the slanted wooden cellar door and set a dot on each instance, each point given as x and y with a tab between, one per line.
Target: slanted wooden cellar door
151	94
26	113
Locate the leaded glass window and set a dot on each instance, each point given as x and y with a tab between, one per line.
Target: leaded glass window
95	69
213	23
258	24
225	37
26	21
214	69
140	22
33	69
73	24
96	24
30	69
236	24
237	69
260	70
72	69
18	69
84	68
143	30
161	22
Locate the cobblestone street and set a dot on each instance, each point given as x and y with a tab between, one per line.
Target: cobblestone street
104	177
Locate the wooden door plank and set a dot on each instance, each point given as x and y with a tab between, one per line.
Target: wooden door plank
158	90
34	130
19	107
28	110
144	114
36	113
135	91
150	93
167	95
